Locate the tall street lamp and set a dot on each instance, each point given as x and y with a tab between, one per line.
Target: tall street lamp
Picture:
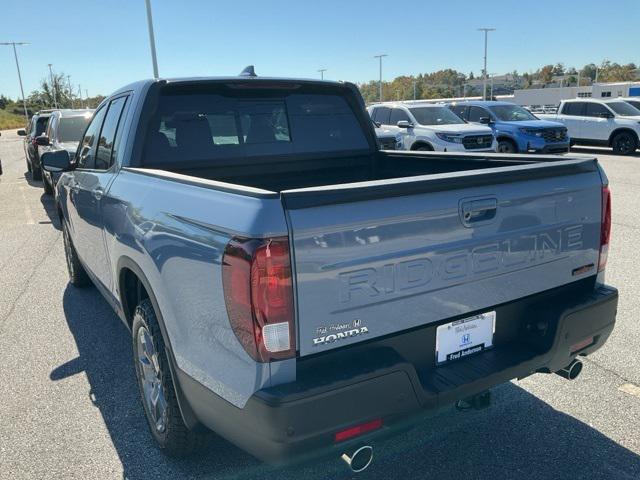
152	39
484	72
53	85
380	57
322	70
15	54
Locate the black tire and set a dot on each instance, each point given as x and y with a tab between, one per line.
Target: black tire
48	188
77	275
424	148
36	172
506	146
167	428
624	143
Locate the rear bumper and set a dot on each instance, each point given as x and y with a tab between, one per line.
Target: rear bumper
395	378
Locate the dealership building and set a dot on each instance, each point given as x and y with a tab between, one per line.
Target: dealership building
553	95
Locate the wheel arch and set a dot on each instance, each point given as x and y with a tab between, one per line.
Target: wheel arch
133	287
421	143
622	130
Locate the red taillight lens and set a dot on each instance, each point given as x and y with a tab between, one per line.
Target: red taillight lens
258	290
358	430
605	228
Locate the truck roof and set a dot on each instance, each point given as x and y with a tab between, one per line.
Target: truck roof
483	103
143	84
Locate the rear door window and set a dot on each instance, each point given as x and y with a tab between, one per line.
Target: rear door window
573	108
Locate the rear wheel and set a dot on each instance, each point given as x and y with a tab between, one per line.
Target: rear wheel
507	146
77	274
36	171
156	385
624	143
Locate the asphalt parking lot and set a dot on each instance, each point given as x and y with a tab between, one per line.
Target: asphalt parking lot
69	405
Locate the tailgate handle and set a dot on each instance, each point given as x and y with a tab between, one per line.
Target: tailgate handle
476	211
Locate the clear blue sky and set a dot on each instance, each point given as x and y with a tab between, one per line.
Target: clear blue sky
104	44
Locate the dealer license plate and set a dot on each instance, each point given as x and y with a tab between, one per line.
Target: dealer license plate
465	337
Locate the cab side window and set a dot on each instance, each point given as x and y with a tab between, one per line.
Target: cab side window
476	113
87	155
459	110
108	135
397	114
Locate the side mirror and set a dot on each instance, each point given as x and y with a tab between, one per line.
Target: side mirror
22	132
606	115
404	124
58	161
485	120
42	140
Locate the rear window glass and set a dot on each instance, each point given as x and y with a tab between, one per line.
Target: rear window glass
70	129
208	126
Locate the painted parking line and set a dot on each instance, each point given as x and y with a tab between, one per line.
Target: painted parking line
631	389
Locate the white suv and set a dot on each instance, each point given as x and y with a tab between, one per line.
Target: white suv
431	127
613	123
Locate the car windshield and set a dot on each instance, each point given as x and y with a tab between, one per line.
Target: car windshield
635	103
435	116
512	113
625	109
72	128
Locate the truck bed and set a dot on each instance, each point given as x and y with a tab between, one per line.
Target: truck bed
277	176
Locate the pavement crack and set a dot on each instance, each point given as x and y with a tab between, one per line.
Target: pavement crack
608	370
27	282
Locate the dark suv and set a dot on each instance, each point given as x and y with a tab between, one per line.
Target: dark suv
36	127
64	131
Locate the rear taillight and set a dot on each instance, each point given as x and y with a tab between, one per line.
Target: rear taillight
258	291
605	228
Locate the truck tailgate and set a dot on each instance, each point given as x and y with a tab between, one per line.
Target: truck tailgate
376	258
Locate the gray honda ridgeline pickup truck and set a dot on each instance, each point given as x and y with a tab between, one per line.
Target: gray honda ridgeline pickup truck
297	290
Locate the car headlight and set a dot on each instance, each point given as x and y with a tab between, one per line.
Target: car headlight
534	132
449	137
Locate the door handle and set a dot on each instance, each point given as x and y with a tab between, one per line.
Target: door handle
97	193
477	211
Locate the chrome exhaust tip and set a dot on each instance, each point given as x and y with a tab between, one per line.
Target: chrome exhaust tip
571	371
359	460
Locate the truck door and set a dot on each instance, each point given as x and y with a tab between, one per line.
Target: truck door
95	171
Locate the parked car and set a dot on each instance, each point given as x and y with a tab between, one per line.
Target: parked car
36	127
387	140
608	123
0	160
516	129
296	289
64	131
430	127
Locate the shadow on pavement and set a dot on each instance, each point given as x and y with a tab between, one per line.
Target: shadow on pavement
518	437
49	206
602	151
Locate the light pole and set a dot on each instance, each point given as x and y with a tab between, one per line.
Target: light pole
69	88
15	54
152	39
380	57
53	86
484	76
414	89
322	70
